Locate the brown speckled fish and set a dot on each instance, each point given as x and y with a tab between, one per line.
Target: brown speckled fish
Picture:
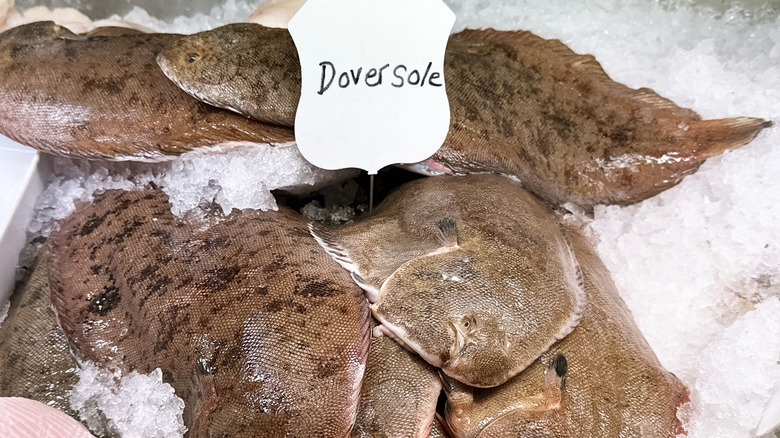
602	380
244	67
520	105
472	273
35	360
254	326
399	393
103	96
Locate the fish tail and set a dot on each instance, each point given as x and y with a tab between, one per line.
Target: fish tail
713	137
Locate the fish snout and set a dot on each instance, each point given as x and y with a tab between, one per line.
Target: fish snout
479	355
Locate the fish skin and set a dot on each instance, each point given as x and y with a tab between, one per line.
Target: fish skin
399	393
35	360
614	384
482	309
437	429
104	97
260	64
249	320
26	418
573	134
520	105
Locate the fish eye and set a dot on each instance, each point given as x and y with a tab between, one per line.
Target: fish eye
192	58
468	322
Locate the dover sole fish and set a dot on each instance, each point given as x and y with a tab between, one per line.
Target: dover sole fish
103	96
520	105
249	320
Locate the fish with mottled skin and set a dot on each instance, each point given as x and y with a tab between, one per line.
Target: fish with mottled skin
399	393
103	96
520	105
244	67
602	380
249	320
35	360
472	273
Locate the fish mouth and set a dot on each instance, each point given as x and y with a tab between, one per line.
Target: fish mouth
457	346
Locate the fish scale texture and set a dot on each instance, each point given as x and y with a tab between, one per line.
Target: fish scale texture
254	326
105	97
36	362
399	393
483	309
615	386
520	105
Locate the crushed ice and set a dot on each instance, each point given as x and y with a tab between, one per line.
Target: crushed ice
698	264
135	405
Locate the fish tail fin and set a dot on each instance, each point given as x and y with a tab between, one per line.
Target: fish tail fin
325	236
713	137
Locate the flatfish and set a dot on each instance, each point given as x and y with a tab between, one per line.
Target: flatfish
602	380
472	273
520	105
35	360
103	96
254	326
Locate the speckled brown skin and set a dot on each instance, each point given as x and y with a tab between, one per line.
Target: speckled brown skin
399	393
254	326
245	67
105	97
109	31
529	107
482	304
520	105
35	360
614	386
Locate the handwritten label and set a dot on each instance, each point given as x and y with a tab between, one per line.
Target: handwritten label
374	77
373	90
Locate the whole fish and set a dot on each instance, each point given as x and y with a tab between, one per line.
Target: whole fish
472	273
35	360
602	380
520	105
25	418
103	96
399	393
254	326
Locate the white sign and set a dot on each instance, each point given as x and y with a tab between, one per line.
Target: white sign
372	91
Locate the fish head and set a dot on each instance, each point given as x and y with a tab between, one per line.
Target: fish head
482	307
457	310
19	41
198	60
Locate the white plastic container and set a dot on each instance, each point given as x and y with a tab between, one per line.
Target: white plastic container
22	177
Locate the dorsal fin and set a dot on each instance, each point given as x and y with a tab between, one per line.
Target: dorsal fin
558	60
447	232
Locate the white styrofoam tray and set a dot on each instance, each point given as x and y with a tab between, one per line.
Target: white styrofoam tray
22	178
